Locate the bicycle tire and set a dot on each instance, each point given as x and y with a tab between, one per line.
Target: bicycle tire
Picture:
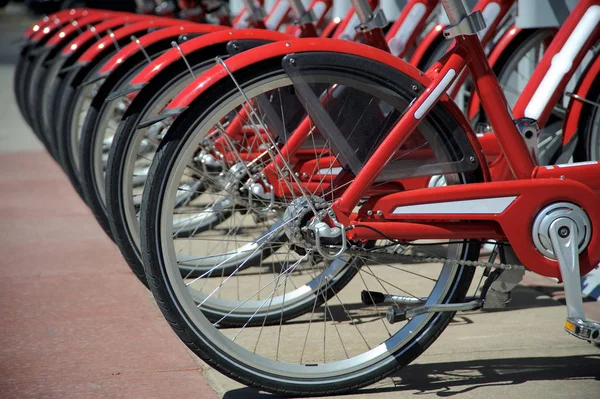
126	237
176	310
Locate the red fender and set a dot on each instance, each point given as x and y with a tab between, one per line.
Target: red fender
154	37
101	27
40	24
53	19
78	24
416	11
125	32
279	49
199	43
430	38
576	107
56	24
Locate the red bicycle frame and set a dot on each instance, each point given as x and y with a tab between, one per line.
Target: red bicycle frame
502	210
508	206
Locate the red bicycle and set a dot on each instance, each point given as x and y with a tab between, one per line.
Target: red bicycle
330	191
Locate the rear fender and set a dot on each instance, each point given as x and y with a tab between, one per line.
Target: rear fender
58	18
55	24
200	44
124	33
80	24
100	28
279	49
172	32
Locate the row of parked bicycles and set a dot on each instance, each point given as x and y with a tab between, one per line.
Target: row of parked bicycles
311	199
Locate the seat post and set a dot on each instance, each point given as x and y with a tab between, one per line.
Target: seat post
455	10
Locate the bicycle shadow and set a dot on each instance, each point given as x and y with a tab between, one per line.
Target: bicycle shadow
523	298
455	378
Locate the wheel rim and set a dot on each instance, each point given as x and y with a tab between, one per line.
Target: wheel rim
188	302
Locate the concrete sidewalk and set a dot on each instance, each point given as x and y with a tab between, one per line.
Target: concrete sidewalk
75	321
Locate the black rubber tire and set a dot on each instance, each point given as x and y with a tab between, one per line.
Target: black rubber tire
68	94
19	75
24	79
23	69
195	339
51	92
89	134
122	143
36	50
66	98
38	79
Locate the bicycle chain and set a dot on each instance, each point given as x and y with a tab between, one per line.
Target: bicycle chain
355	251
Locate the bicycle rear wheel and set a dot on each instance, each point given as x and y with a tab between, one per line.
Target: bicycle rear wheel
335	344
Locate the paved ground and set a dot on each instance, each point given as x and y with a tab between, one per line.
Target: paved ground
76	323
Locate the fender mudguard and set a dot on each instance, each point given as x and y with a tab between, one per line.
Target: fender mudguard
199	44
55	24
41	23
279	49
100	28
124	33
575	108
154	37
60	18
82	23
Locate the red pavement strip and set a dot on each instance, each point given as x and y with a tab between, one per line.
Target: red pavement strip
74	321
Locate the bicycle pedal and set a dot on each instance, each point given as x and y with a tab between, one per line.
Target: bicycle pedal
586	330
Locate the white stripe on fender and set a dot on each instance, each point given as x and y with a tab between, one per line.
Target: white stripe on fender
562	62
435	94
277	15
489	14
398	42
485	206
319	10
349	33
